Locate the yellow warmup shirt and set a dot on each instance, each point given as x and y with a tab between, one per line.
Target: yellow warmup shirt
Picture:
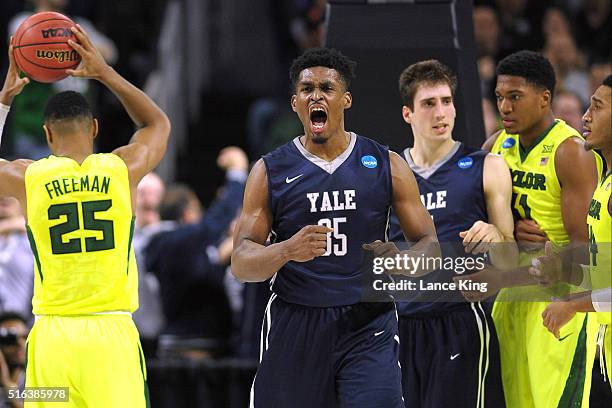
80	225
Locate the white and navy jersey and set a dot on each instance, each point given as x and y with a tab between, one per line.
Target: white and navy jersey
452	191
351	194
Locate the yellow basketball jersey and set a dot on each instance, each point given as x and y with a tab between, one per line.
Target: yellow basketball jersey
600	241
80	226
536	192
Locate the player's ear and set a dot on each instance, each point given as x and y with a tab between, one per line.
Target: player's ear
94	128
348	100
294	103
406	114
48	134
546	98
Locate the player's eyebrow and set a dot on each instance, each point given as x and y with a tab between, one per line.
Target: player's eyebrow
596	100
425	100
305	82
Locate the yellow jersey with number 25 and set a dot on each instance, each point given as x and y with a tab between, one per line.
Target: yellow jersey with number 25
80	226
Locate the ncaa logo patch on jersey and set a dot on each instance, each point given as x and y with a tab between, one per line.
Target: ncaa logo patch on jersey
465	163
369	161
508	143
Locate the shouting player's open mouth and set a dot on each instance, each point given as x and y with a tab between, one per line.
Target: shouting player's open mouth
318	119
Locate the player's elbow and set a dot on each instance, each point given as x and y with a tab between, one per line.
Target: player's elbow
164	125
239	269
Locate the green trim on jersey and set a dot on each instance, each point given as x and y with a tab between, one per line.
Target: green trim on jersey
132	225
144	378
574	386
34	251
525	152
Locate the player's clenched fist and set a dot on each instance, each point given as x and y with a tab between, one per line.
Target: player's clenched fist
308	243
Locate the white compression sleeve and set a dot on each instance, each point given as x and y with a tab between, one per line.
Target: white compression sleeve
602	300
4	110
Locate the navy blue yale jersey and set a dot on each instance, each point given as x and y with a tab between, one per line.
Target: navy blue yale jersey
453	193
351	194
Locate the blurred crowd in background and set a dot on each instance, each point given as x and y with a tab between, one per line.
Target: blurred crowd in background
191	306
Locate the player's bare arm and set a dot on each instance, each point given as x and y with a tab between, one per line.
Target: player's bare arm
577	173
414	219
12	174
483	237
13	84
149	142
526	231
252	260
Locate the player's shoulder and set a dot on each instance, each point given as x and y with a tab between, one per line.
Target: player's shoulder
491	141
495	163
15	168
361	140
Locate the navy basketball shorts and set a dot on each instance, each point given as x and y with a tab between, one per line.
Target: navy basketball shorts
320	357
451	359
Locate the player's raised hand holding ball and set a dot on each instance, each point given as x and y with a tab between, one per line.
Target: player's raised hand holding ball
92	63
13	83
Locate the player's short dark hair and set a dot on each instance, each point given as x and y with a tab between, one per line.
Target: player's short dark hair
8	316
607	81
67	105
323	57
431	72
533	66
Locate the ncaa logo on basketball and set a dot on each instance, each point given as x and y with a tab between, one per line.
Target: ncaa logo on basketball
56	32
465	163
508	143
369	161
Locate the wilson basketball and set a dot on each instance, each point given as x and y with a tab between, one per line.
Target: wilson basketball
41	47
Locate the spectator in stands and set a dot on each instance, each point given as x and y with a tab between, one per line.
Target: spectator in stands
486	34
188	265
16	260
149	317
520	25
568	106
25	131
594	29
555	23
13	335
569	65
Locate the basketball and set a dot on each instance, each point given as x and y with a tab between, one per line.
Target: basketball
41	47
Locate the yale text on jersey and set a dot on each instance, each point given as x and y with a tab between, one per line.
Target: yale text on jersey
332	201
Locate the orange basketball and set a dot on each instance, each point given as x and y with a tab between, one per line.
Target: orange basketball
41	47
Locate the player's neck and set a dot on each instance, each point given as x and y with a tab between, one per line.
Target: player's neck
75	147
78	155
332	148
529	136
426	154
